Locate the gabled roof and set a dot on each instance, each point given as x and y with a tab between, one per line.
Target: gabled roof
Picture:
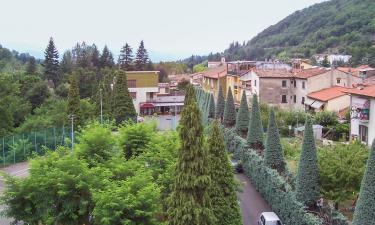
368	91
307	73
328	93
216	72
264	73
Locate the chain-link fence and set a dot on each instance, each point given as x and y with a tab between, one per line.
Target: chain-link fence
19	147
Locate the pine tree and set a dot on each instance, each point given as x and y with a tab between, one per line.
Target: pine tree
242	119
364	213
273	154
31	66
223	190
123	103
106	59
229	110
211	109
255	130
126	57
141	59
66	65
189	202
220	105
74	100
307	181
95	57
51	63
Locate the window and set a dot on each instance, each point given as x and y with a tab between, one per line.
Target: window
338	80
132	83
283	99
283	83
294	98
255	83
295	83
303	101
363	133
303	84
133	95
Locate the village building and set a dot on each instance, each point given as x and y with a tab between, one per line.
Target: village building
332	99
362	113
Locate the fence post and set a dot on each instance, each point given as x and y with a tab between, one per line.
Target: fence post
14	152
36	148
3	153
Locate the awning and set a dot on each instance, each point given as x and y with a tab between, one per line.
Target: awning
147	105
168	104
317	104
309	101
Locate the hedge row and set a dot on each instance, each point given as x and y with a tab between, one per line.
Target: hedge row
278	193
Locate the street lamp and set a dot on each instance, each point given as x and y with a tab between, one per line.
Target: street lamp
72	116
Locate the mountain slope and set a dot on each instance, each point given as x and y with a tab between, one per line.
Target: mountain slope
337	26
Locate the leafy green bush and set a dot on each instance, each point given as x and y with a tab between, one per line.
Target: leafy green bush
325	118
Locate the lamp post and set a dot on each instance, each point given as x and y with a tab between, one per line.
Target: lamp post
101	106
72	116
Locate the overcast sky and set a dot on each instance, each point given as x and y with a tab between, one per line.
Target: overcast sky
170	28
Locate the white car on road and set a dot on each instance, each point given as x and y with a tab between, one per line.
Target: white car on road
269	218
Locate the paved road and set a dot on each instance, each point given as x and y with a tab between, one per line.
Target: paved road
251	202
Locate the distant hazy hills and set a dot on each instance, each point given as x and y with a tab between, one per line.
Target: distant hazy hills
336	26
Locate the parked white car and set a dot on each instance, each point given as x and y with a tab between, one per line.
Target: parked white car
269	218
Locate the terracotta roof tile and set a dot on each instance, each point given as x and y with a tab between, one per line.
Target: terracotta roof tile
216	72
328	93
264	73
368	91
307	73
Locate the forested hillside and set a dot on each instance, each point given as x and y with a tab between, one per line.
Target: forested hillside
336	26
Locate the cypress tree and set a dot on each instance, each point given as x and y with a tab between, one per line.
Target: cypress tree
242	119
220	105
51	63
307	181
74	99
66	65
141	59
223	190
211	109
255	130
229	110
123	103
126	57
273	154
95	57
189	202
364	213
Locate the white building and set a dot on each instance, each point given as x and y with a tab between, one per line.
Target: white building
362	113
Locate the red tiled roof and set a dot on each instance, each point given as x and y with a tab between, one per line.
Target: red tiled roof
216	72
348	70
365	67
307	73
328	93
368	91
264	73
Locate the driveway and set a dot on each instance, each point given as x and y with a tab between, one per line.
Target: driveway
251	202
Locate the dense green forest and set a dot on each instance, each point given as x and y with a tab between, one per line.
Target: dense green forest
336	26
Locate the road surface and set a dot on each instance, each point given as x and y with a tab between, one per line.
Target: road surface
251	202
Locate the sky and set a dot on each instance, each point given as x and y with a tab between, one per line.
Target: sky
171	29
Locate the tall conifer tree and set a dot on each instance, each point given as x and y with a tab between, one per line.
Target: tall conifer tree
229	110
307	181
31	66
51	63
106	59
211	112
243	118
220	105
95	56
255	131
126	58
364	213
273	154
74	99
141	59
190	202
123	103
223	191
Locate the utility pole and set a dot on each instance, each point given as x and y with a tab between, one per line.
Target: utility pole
72	116
101	106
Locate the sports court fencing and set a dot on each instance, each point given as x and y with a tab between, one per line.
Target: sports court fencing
19	147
